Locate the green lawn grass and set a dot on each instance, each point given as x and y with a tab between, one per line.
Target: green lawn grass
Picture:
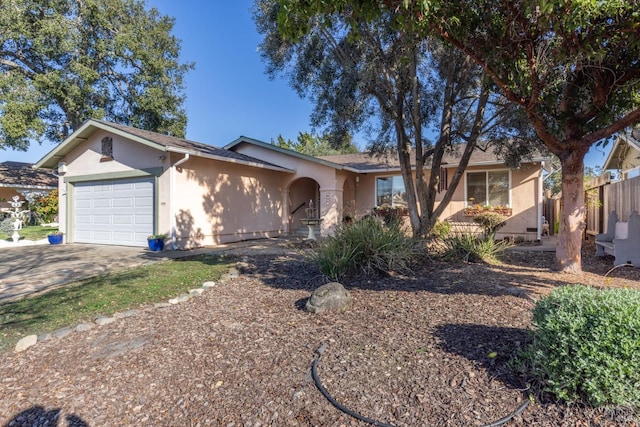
34	232
105	295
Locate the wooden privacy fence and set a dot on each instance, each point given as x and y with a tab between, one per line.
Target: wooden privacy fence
603	196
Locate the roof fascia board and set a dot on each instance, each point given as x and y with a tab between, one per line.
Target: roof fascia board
243	162
622	138
29	187
244	139
227	159
447	166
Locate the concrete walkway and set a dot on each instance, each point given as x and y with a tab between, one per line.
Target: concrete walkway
26	270
547	244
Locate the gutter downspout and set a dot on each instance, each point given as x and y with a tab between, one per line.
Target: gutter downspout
174	244
540	193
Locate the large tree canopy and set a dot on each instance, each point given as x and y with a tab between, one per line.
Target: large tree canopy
573	67
359	72
65	61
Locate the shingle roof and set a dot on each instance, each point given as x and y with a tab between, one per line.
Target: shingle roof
156	140
198	147
22	175
367	162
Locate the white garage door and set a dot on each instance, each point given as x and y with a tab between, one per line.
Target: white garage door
117	212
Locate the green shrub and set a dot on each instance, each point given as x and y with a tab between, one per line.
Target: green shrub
6	226
468	246
369	246
490	222
45	207
441	230
586	346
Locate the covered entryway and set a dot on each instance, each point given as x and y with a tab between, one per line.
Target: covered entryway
114	212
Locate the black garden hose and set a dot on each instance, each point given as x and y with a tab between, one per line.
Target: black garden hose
325	393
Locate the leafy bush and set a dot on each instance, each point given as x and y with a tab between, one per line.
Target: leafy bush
369	246
586	346
490	222
7	226
45	207
441	230
469	246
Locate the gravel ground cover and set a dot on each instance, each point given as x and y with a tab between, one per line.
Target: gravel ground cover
410	351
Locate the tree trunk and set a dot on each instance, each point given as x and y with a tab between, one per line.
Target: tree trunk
572	213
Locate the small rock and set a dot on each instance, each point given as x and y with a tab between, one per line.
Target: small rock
332	296
180	299
162	305
209	285
127	313
100	321
44	337
61	333
26	342
196	292
83	327
233	272
226	277
242	266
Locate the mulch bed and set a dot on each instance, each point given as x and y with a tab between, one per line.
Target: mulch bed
410	351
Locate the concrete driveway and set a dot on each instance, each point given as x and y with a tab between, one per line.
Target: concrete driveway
27	270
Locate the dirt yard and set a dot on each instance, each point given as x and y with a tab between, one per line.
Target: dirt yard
410	351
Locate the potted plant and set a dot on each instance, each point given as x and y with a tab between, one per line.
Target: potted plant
55	237
156	242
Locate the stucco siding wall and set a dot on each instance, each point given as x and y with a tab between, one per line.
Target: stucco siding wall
85	160
523	197
219	202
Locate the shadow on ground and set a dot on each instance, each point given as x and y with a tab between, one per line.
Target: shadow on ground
38	416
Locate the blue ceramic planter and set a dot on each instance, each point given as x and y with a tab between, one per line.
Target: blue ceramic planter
156	244
55	239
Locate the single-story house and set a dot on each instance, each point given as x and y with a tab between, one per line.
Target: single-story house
20	179
119	184
624	156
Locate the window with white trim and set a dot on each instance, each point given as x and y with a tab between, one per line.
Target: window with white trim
489	188
390	191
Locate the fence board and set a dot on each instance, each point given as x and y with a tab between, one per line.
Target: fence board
624	197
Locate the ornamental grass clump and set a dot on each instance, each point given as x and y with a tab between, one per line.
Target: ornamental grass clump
367	246
469	246
586	346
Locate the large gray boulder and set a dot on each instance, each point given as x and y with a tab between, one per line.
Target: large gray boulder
332	296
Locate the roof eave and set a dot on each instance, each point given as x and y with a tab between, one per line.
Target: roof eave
228	159
245	139
29	187
613	154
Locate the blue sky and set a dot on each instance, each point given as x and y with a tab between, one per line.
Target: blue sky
228	93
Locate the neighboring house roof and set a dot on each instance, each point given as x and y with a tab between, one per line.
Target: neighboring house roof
22	175
152	139
624	142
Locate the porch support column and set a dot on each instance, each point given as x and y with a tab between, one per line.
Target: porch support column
330	210
285	212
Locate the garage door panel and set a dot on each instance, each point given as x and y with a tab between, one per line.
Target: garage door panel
123	202
118	212
122	220
144	202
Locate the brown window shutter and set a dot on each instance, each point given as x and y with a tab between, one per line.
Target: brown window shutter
443	182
